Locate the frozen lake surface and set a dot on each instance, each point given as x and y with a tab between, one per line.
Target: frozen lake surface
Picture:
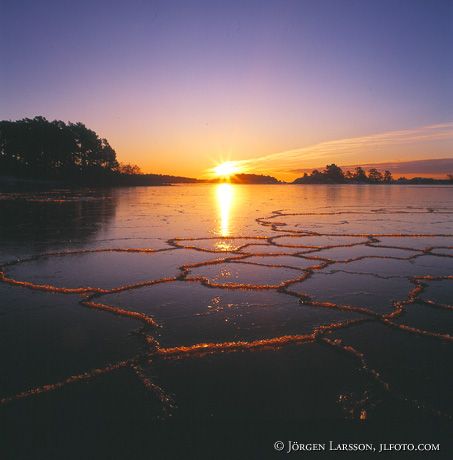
227	302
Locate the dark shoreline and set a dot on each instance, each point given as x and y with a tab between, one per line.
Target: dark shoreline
15	184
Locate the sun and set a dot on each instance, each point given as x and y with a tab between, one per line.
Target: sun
226	169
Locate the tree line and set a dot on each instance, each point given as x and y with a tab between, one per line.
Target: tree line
333	174
70	153
35	148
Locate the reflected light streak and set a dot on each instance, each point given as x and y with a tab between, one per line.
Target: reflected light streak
225	197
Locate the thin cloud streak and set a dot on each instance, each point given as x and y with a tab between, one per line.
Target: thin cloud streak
287	160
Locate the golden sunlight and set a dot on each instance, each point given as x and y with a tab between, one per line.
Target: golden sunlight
225	196
227	169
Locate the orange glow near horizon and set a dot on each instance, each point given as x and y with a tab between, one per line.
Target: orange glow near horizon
383	150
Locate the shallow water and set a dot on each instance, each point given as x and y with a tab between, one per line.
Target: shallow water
342	296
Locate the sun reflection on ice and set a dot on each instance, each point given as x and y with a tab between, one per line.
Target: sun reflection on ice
224	246
225	198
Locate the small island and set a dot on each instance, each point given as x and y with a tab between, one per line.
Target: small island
333	174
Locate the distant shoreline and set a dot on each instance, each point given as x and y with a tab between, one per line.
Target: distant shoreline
15	184
39	154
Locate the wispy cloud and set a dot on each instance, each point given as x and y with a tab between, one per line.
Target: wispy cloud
347	149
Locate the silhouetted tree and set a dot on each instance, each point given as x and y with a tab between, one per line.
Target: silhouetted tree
374	176
317	175
387	179
360	175
125	168
334	173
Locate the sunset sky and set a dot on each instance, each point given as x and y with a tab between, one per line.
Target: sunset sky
280	86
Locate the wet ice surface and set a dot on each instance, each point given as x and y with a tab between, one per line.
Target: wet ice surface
182	293
192	313
240	273
104	269
377	294
47	337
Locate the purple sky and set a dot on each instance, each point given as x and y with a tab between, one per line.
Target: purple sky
177	86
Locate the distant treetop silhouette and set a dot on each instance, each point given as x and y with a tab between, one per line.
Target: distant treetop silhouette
333	174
